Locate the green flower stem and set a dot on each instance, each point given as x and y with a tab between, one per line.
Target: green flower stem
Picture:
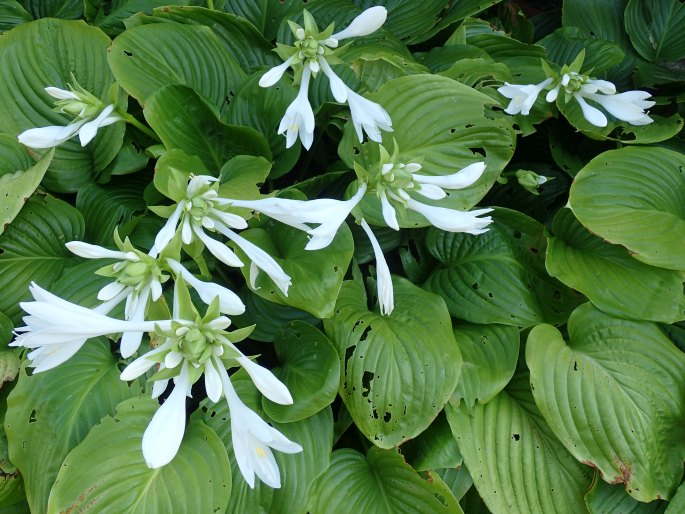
146	130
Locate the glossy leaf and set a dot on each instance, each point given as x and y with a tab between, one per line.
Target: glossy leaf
391	396
613	499
655	29
614	394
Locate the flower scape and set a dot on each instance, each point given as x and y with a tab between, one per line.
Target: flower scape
256	265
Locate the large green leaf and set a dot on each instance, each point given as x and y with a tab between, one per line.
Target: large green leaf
655	28
298	471
310	369
51	412
148	57
12	14
398	371
17	187
67	9
316	275
434	448
183	120
13	155
382	483
613	499
565	43
677	503
113	21
198	479
46	53
516	462
498	276
33	249
266	15
490	354
610	277
615	396
407	20
635	197
444	125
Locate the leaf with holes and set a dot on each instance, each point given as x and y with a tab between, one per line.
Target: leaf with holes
398	371
316	275
613	499
298	471
33	249
614	394
380	482
614	281
198	479
635	197
517	464
498	276
46	53
443	124
51	412
308	366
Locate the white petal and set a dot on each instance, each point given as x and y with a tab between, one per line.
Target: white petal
48	137
230	219
163	436
266	382
48	357
386	298
606	87
284	210
90	251
158	387
389	213
61	94
553	94
274	74
213	381
219	250
591	114
338	87
173	359
367	22
89	130
299	116
431	191
166	234
452	220
137	368
458	180
187	230
111	290
368	116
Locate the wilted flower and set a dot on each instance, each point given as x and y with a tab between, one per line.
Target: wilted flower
90	115
311	53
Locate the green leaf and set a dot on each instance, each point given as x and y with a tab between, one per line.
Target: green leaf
498	276
316	275
516	462
612	499
9	365
14	156
67	9
298	471
406	20
565	43
398	371
12	14
635	197
16	188
106	206
46	53
381	483
443	123
490	353
655	29
113	22
308	367
183	120
677	503
198	479
262	109
51	412
6	327
242	176
615	396
607	274
149	57
33	249
522	59
266	15
434	448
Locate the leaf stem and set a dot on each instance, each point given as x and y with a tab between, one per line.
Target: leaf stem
145	130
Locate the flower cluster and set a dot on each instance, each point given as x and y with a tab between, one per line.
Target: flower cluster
629	106
313	52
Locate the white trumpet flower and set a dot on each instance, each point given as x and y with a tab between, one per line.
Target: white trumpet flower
522	96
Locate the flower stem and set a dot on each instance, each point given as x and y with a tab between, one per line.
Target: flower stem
145	130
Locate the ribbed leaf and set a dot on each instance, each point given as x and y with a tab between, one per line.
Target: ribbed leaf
51	412
613	499
148	57
46	53
68	9
183	120
113	21
498	276
434	448
615	396
490	354
636	197
308	367
398	371
516	462
407	20
33	249
298	471
106	472
565	43
444	124
655	28
381	483
610	277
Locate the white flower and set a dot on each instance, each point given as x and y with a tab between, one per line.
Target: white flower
383	279
266	382
85	125
299	117
253	440
58	328
163	436
364	24
522	96
368	116
459	180
201	211
627	106
452	220
590	113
